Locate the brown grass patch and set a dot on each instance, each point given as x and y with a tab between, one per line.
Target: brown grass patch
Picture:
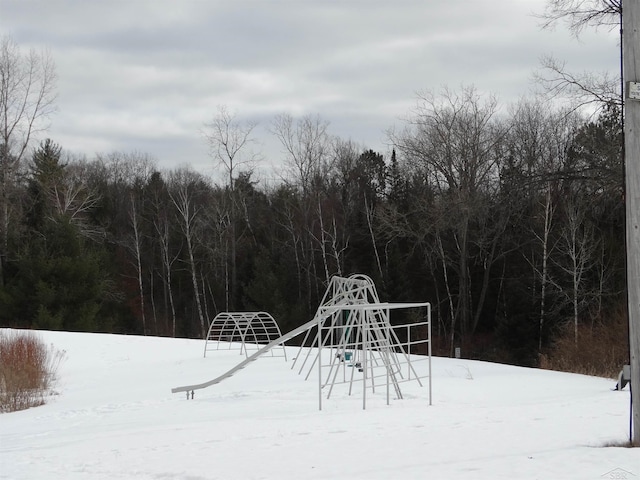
28	370
602	349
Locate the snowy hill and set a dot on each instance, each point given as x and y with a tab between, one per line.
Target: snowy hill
115	418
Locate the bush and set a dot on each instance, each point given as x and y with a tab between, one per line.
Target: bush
28	370
602	349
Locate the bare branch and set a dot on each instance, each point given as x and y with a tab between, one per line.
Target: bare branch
230	140
27	95
581	14
585	90
306	143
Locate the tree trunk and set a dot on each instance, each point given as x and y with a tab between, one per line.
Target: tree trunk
194	281
138	257
463	278
548	214
369	214
162	230
153	302
485	285
322	242
452	312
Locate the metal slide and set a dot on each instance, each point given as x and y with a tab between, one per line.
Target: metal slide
286	337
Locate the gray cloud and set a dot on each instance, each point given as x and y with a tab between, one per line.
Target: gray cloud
147	74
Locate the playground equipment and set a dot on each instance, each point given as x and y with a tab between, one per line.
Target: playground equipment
355	342
351	341
243	331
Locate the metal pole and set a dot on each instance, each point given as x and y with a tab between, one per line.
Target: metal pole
409	351
429	337
320	363
387	350
364	359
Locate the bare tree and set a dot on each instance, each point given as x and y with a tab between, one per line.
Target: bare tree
183	190
73	198
217	218
547	248
289	223
587	88
127	168
424	226
230	141
306	143
578	243
581	14
362	175
168	254
329	238
161	225
128	173
307	164
540	139
27	95
454	139
134	244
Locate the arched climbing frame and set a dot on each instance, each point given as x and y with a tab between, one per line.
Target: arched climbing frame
243	331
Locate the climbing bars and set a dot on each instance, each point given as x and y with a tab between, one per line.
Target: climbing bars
243	331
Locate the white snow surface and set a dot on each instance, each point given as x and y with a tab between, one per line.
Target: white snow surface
114	417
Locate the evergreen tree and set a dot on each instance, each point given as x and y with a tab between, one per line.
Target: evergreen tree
45	175
59	279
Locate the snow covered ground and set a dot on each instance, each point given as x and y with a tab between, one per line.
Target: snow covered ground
114	417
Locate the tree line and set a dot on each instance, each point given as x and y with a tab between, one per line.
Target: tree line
508	219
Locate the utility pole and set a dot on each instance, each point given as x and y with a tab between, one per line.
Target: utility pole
631	62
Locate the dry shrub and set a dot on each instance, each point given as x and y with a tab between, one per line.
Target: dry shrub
28	370
602	349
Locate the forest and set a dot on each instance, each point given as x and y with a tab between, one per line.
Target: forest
509	219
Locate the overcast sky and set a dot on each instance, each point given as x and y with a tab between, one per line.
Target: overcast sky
145	75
